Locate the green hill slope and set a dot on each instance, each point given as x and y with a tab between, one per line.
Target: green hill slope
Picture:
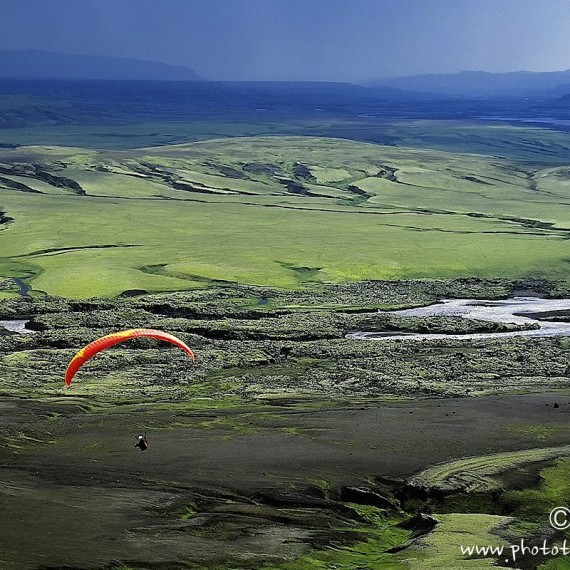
274	210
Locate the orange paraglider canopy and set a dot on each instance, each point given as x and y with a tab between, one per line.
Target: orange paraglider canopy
109	340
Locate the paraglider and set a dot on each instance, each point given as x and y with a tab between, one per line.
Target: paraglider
87	352
142	442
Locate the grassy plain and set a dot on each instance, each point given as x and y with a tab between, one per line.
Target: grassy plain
276	211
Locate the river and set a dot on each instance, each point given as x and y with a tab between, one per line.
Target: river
17	325
518	310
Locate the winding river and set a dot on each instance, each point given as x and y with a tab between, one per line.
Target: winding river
520	310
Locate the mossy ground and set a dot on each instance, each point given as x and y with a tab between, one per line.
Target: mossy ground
254	446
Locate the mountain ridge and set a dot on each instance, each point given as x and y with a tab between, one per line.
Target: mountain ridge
37	64
483	83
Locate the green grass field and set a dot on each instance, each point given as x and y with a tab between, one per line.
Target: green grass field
276	211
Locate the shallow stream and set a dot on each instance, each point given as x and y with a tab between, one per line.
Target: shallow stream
17	325
519	310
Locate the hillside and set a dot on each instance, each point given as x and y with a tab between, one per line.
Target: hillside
278	211
33	64
482	83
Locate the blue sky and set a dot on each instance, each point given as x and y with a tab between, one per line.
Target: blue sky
330	40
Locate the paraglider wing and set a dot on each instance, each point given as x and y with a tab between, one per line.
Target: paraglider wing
105	342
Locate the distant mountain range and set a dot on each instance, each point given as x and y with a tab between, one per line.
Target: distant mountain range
485	84
42	65
32	64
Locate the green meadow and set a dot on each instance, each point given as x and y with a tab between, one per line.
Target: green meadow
277	211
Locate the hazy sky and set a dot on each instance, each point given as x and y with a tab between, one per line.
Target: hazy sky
331	40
